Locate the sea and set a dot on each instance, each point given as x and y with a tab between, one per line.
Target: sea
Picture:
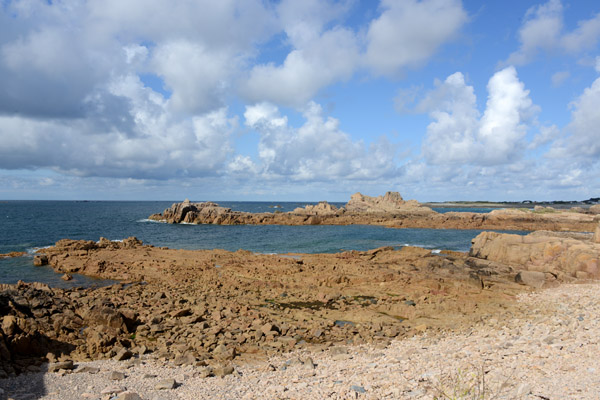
28	226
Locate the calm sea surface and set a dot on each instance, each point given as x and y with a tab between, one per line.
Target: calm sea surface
28	225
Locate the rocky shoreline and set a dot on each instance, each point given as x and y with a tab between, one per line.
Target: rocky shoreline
391	211
207	308
546	347
213	313
211	307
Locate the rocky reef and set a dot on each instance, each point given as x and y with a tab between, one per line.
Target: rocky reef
210	307
389	210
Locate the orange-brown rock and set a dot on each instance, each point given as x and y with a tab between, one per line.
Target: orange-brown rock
322	208
562	255
207	306
389	210
211	305
12	254
188	212
390	202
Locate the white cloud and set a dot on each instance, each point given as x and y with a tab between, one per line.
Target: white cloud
546	135
458	136
197	76
316	151
598	64
584	37
303	21
583	143
141	139
409	32
318	57
543	30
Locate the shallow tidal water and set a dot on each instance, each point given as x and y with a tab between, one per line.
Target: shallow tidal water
29	225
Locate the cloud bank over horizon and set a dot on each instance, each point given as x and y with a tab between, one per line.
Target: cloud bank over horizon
251	99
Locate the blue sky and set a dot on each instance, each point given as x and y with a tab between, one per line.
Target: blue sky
299	100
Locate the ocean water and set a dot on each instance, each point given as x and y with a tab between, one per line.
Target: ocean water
28	225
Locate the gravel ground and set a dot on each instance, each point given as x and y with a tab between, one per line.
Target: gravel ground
549	350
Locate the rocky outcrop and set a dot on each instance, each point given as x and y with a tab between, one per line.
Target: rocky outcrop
323	208
389	210
560	256
206	308
596	237
390	202
12	254
41	324
188	212
595	209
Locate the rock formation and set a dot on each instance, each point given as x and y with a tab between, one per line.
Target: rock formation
390	202
188	212
323	208
596	237
182	308
563	256
389	210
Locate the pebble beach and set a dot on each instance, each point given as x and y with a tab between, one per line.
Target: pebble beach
548	350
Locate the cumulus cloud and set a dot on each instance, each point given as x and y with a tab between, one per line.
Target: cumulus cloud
54	54
583	143
319	57
141	141
409	32
458	135
198	77
316	151
543	30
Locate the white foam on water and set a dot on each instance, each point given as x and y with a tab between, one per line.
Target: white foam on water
33	250
423	246
436	251
162	221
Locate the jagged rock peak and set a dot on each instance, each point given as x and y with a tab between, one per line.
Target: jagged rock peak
323	208
391	201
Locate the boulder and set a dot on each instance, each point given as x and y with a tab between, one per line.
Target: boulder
540	251
165	384
40	260
534	279
595	209
57	366
596	237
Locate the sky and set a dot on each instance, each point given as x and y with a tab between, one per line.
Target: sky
299	99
